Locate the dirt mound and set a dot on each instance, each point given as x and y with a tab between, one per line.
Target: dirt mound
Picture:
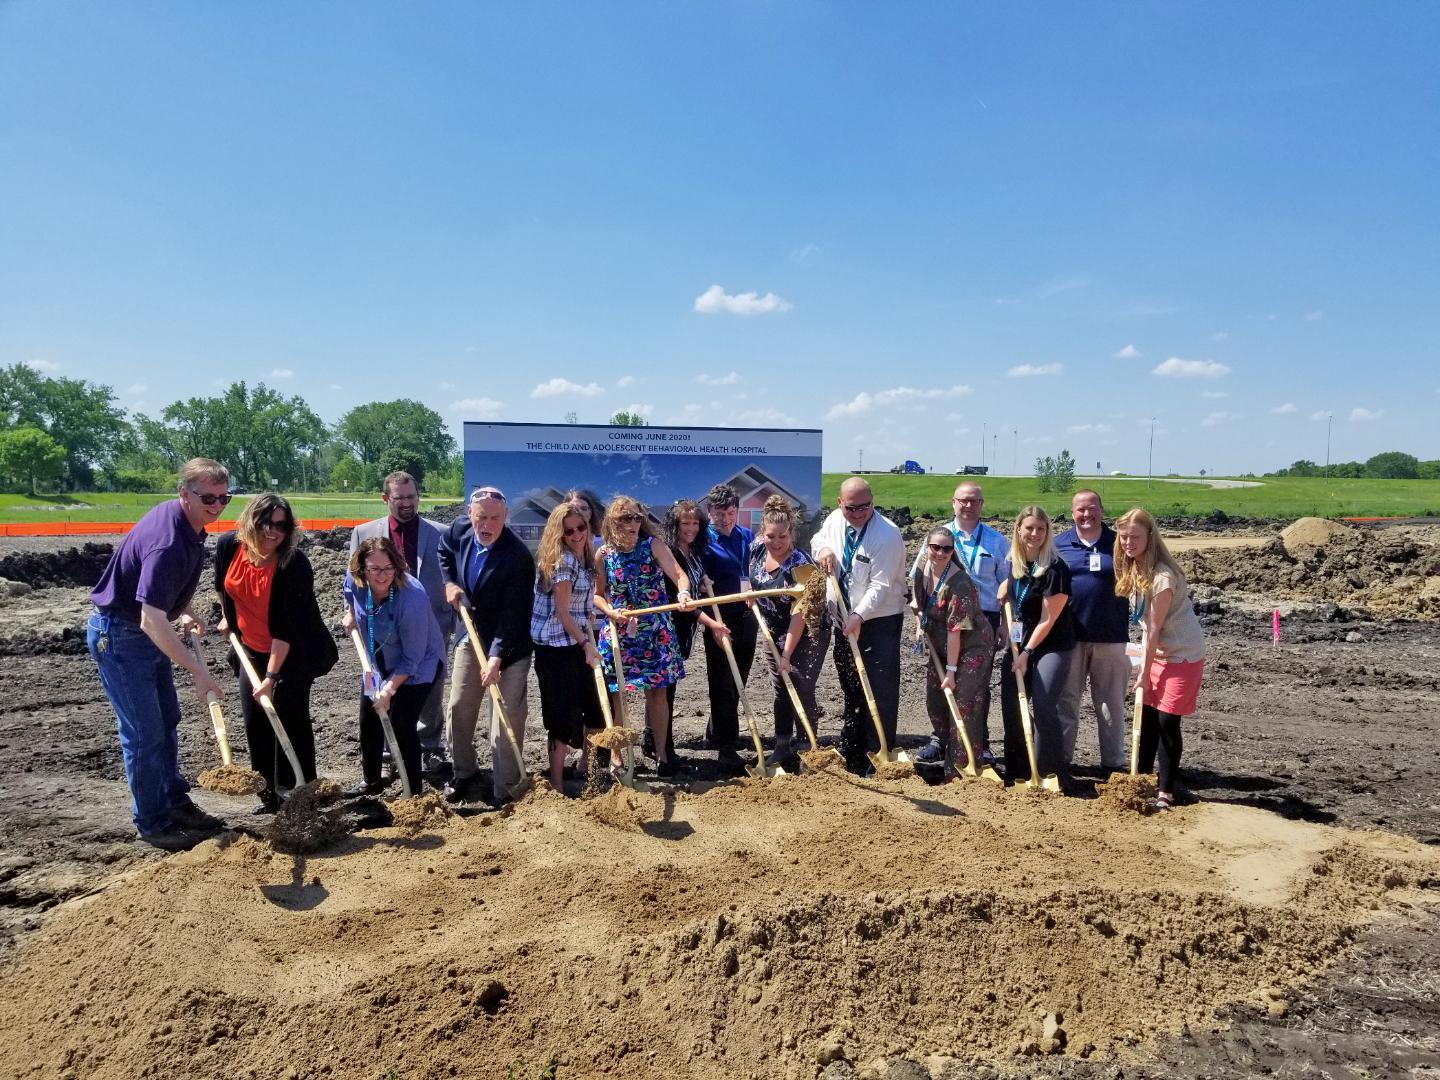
1365	573
414	815
1123	794
73	568
231	780
1312	532
757	930
310	819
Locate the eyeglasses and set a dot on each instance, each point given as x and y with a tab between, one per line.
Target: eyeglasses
629	519
211	500
271	525
941	547
968	499
577	529
379	571
856	508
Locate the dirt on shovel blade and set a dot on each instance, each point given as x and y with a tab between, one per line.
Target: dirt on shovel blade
310	819
615	738
231	780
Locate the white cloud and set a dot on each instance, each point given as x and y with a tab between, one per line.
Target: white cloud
1025	371
1191	369
446	384
1314	316
624	381
558	387
1088	429
865	401
480	408
336	386
1214	395
689	414
1220	335
1129	352
1284	410
803	252
281	373
716	301
42	365
640	410
138	388
1214	419
1362	415
138	406
718	380
766	417
1320	414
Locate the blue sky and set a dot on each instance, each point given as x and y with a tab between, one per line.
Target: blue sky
907	224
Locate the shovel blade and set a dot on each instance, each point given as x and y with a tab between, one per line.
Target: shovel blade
990	774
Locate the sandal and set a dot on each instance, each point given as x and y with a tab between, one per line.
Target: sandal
1163	801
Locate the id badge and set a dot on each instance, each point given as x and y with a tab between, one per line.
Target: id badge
369	684
1094	562
744	584
1017	633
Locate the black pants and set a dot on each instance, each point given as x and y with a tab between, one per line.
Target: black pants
1161	730
724	728
1045	677
292	705
404	715
880	652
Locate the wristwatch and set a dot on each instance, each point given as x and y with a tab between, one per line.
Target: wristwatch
273	676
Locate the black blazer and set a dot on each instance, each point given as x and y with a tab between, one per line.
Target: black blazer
294	612
501	601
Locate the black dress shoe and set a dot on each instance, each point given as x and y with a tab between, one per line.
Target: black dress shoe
269	802
454	791
364	789
186	815
730	763
172	839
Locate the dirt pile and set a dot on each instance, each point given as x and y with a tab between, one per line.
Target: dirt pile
760	929
1366	573
72	568
231	780
310	819
414	815
1124	794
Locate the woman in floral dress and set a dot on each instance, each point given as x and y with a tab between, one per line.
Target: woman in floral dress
630	574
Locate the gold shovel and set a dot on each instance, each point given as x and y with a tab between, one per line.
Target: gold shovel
1135	731
518	789
801	573
388	728
626	754
269	706
759	770
974	768
1045	783
789	683
217	715
885	756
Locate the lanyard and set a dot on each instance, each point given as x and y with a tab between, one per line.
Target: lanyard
370	612
1139	611
973	559
847	559
1021	593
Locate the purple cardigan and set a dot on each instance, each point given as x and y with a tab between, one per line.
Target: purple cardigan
406	633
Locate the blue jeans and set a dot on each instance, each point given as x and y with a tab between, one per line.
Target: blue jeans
140	683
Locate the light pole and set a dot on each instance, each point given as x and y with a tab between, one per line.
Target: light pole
995	451
1015	452
1328	418
1150	468
984	427
861	467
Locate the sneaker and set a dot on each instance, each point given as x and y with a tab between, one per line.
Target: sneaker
987	757
172	839
186	815
269	802
433	765
932	751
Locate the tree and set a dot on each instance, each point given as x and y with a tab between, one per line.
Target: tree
389	435
1430	470
1045	472
81	416
572	417
1393	465
259	436
1064	471
28	454
625	418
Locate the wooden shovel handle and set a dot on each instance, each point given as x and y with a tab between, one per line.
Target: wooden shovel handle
1022	696
269	706
785	677
860	667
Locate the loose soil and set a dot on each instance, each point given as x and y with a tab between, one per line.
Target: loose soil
231	780
764	928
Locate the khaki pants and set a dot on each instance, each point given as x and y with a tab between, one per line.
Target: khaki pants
467	698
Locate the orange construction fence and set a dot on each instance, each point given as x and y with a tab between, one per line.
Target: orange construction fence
117	528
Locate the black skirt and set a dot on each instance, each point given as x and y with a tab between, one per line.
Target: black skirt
568	701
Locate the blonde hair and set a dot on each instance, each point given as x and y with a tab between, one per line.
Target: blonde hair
619	506
1136	577
1018	562
552	542
778	511
247	528
203	468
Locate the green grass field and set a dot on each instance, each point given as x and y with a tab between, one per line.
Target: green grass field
105	506
1281	497
1284	497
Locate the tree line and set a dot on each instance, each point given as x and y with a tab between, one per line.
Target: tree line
71	434
1391	465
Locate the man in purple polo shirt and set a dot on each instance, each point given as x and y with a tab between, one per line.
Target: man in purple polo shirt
1102	626
147	585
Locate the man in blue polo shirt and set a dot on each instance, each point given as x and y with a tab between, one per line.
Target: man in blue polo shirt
1102	627
983	550
726	559
147	585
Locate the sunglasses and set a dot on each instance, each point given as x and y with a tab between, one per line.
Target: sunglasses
941	547
577	529
629	519
487	493
211	500
855	508
275	526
